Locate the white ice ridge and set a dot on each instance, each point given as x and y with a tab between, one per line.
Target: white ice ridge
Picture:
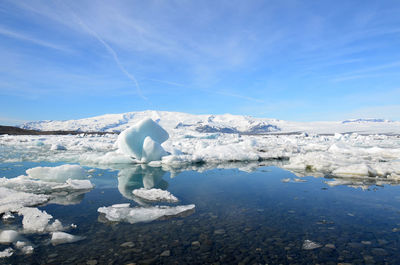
143	141
155	195
124	213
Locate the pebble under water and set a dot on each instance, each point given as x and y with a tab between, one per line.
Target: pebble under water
261	217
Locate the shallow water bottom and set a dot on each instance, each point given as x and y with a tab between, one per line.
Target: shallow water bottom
240	218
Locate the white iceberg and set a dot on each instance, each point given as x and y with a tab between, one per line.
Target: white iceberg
124	213
143	141
155	195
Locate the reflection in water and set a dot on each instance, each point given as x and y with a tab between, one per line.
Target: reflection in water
140	176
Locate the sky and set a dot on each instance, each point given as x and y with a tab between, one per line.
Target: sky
284	59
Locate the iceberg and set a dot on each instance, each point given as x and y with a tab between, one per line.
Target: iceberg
143	141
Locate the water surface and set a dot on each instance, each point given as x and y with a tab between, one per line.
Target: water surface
240	217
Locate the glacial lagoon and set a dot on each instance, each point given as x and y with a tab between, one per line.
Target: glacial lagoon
243	214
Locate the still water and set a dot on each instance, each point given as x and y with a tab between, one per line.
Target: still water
240	218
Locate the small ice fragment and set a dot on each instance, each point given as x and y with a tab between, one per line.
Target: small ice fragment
285	180
6	253
143	214
121	205
91	170
26	249
300	180
155	195
63	238
8	216
309	245
8	236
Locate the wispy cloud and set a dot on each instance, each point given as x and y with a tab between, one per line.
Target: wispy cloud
25	37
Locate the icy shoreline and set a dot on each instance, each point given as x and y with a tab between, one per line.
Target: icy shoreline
342	155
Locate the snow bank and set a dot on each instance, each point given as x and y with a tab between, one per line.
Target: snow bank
123	213
155	195
143	141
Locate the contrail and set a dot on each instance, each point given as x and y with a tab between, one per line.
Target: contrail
111	51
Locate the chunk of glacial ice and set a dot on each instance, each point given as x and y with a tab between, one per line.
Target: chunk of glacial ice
8	236
152	151
35	220
143	214
57	174
155	195
11	200
8	252
63	238
143	141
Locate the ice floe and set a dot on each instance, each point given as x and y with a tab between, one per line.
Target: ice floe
21	195
58	238
125	213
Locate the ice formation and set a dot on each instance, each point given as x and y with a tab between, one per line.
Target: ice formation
155	195
21	195
143	141
8	252
57	174
8	236
124	213
63	238
373	152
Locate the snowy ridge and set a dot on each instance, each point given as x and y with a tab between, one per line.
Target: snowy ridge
226	123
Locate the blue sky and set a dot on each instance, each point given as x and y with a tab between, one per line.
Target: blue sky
293	60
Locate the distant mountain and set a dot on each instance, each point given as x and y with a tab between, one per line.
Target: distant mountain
365	120
189	123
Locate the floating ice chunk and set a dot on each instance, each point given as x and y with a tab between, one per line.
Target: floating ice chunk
309	245
8	236
26	249
57	174
11	201
63	238
7	216
35	220
132	140
155	195
357	170
142	214
8	252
